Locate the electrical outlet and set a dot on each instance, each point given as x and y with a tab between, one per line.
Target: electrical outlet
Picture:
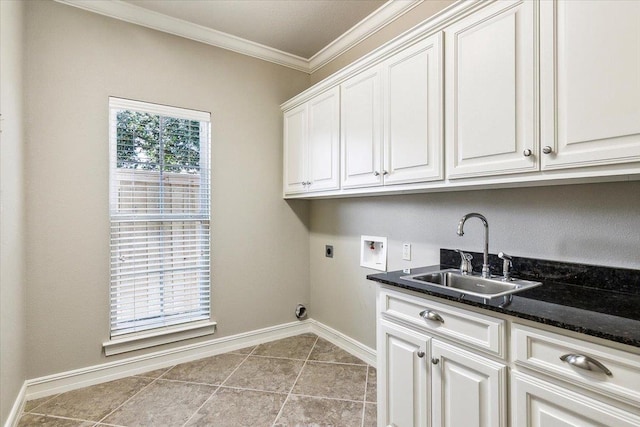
328	251
406	251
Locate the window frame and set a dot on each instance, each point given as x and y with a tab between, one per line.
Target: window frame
140	336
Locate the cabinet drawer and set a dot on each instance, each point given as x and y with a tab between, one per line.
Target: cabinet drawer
542	351
472	329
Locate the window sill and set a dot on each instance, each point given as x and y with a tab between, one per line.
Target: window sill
151	339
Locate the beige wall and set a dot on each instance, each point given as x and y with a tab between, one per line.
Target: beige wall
405	22
260	251
594	223
12	227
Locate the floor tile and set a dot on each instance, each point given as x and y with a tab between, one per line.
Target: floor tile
155	373
33	404
232	408
311	411
246	350
212	370
93	403
370	415
332	380
372	385
267	374
163	403
29	420
324	351
297	347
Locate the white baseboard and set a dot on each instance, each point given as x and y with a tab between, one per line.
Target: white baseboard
78	378
346	343
16	409
71	380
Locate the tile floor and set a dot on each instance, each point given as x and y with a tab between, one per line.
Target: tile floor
298	381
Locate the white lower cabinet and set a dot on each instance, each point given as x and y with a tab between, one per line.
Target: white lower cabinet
432	372
426	381
467	389
538	403
403	376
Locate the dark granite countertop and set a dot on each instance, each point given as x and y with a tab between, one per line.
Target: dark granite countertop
609	310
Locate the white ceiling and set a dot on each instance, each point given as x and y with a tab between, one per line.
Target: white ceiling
298	27
301	34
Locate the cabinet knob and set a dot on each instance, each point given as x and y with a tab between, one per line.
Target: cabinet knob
385	173
431	315
376	173
420	354
547	149
435	361
527	152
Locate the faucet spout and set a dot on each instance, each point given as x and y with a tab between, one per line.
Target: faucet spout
485	264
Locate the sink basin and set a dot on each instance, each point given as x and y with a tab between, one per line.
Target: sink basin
472	285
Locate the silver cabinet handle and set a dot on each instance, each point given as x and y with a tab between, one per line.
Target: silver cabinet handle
435	361
385	173
527	152
431	315
420	354
585	362
376	173
308	182
547	150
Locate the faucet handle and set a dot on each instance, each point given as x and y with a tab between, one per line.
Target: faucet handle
465	262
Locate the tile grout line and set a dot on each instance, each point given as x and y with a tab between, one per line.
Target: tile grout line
296	381
220	386
57	416
134	395
46	401
364	399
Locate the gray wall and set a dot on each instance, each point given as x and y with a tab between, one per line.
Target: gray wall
260	251
590	223
12	227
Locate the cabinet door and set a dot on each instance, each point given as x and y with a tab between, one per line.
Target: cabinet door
590	82
402	376
490	91
412	86
537	403
361	130
468	390
324	141
295	150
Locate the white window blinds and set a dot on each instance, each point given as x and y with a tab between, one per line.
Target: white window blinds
160	213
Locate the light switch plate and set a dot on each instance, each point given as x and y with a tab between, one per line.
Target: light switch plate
406	251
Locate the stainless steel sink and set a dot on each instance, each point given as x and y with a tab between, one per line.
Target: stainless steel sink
469	284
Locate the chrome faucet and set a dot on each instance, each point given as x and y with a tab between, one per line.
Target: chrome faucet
485	262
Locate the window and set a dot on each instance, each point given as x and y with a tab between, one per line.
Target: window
160	215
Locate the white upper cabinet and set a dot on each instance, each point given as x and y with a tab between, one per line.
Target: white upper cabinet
590	82
490	91
361	130
324	141
311	145
392	119
412	117
295	150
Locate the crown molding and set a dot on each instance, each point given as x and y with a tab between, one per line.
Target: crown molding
128	12
384	15
147	18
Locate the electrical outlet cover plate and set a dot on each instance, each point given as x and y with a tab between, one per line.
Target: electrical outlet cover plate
373	252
